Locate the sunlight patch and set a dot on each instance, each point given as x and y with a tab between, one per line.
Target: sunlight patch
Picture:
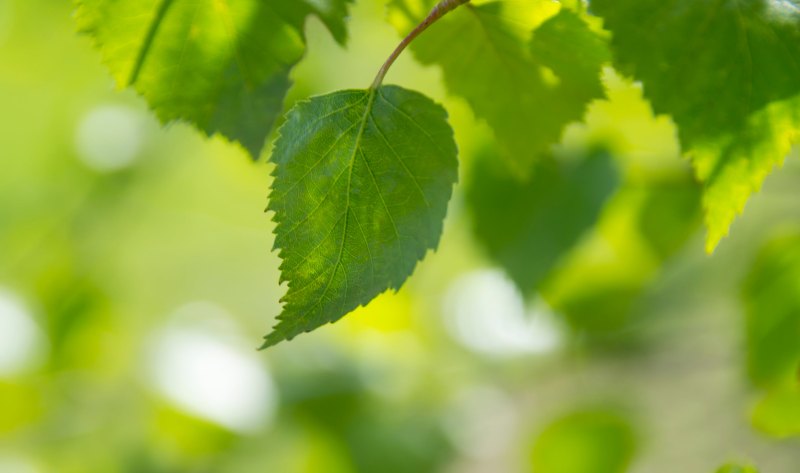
21	340
783	10
193	364
110	138
485	312
14	464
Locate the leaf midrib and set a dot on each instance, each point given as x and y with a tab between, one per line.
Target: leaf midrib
351	163
144	50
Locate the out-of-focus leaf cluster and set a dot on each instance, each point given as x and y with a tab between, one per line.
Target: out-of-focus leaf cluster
135	285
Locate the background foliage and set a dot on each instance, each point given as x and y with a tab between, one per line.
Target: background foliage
135	269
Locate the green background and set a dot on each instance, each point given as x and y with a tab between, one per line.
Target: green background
136	280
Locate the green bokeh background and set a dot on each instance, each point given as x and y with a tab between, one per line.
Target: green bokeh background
135	262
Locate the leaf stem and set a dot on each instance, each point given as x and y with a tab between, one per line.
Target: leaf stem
441	9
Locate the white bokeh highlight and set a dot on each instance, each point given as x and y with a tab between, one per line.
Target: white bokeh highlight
782	11
202	369
22	343
17	464
486	313
110	137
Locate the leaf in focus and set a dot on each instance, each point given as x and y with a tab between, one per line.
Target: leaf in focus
526	89
591	441
728	73
772	298
222	65
361	186
528	226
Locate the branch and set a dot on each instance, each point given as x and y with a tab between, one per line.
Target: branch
440	10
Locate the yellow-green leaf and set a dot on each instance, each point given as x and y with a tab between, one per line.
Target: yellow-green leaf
585	441
728	72
526	83
734	468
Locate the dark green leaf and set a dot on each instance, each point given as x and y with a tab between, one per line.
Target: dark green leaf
361	187
526	90
220	65
728	72
528	226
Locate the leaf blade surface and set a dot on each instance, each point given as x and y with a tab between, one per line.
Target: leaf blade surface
524	67
361	186
222	65
727	72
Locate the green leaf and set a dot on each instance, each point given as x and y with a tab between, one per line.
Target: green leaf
728	72
528	226
778	413
362	181
601	284
589	441
599	288
772	298
731	468
526	89
222	65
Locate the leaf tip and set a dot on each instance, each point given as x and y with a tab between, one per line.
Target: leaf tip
716	232
274	337
269	341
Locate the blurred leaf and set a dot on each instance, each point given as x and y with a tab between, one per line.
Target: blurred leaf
330	395
642	226
527	91
396	439
591	441
528	226
772	298
178	434
20	406
76	310
737	469
684	51
398	442
223	66
669	215
600	285
778	413
361	187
